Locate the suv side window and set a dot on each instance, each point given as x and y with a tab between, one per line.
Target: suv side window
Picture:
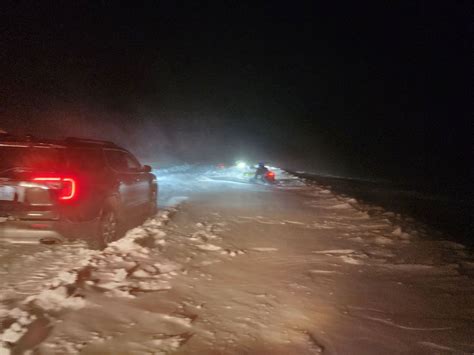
122	161
132	163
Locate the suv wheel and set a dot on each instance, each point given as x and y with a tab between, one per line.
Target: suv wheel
108	226
153	210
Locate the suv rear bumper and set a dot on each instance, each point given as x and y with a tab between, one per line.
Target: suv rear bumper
37	231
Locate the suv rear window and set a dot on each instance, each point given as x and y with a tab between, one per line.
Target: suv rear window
85	159
29	157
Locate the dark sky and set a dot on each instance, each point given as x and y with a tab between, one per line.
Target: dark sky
376	90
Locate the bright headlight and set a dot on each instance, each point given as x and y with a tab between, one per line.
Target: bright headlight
241	164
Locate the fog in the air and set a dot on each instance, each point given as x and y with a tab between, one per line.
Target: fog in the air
167	138
359	98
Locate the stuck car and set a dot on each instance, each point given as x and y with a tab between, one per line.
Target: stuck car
52	190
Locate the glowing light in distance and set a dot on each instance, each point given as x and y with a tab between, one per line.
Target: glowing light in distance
241	164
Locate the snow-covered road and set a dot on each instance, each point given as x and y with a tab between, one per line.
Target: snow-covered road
231	267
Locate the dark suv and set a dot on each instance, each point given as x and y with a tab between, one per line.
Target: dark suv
51	190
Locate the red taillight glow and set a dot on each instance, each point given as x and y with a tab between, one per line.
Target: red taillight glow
270	173
70	189
66	186
47	179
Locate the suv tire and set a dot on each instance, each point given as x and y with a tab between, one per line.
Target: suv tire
107	230
153	209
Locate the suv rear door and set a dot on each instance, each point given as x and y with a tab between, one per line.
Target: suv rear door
134	186
88	165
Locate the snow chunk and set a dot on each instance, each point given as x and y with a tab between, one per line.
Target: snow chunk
293	222
157	346
209	247
264	249
324	272
154	285
124	245
340	206
17	313
67	277
159	234
178	320
398	233
165	268
148	268
119	293
57	300
4	351
141	274
335	251
350	260
11	335
111	285
383	240
119	275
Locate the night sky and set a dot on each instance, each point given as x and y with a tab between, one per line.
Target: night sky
381	90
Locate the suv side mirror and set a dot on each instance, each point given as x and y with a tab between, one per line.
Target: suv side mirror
147	168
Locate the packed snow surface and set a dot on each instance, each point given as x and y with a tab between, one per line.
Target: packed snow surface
231	267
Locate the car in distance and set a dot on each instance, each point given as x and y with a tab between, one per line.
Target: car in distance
52	190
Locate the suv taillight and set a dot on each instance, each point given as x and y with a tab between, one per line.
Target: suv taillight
66	186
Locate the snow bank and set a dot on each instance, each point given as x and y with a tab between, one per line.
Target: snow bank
111	270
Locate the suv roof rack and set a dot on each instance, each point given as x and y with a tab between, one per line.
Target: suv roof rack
77	140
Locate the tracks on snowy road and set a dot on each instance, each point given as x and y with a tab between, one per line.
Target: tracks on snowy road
254	269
